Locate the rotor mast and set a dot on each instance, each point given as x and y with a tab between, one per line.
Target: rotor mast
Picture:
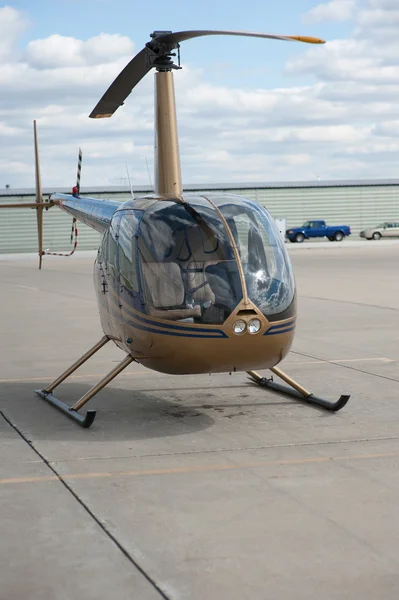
168	182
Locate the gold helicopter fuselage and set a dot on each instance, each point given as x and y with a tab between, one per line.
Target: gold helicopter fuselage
213	292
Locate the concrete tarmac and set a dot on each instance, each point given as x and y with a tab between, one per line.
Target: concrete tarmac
205	487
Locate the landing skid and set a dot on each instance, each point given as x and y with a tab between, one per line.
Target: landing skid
296	390
72	411
82	420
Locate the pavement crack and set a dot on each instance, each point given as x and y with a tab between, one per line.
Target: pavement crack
113	539
232	449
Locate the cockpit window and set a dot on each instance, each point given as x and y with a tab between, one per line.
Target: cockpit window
188	268
177	261
127	251
268	273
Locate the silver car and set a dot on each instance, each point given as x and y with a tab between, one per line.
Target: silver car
388	229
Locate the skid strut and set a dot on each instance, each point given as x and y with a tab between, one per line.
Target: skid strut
71	411
296	390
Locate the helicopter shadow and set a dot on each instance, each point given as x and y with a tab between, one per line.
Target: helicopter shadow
122	414
271	397
133	414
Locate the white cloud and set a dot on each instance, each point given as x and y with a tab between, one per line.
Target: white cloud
385	5
59	51
335	10
12	23
370	55
342	125
379	21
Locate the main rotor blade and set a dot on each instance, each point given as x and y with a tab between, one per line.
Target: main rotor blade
181	36
141	64
121	87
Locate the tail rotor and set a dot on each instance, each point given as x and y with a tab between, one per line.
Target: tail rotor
40	204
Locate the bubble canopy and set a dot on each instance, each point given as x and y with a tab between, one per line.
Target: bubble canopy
187	264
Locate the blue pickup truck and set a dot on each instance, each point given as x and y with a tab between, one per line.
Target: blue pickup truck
314	229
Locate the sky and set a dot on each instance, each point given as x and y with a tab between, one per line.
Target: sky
249	110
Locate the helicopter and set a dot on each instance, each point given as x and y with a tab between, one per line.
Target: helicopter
186	283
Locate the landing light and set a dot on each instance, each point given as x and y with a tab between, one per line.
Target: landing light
254	325
239	327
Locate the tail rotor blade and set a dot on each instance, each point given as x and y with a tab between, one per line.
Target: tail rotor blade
39	197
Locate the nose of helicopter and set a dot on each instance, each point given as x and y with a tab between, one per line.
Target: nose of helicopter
234	346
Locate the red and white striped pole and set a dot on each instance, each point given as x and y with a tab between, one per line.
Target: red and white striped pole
79	170
76	189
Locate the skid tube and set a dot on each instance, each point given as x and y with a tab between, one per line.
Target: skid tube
72	411
296	391
82	420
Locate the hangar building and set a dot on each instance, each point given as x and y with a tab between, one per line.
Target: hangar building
360	204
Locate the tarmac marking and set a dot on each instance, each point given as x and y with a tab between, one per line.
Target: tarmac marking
71	377
138	373
27	287
381	358
199	468
341	360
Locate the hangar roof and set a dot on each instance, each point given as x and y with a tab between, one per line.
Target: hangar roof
210	186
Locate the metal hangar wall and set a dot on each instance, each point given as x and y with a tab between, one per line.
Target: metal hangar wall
359	204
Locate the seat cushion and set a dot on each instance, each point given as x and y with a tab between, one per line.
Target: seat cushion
163	284
198	286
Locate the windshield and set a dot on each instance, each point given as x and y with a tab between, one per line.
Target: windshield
180	264
268	273
188	269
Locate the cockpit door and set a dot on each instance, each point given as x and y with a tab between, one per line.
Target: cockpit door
107	270
131	303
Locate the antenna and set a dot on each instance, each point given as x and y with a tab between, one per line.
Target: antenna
149	175
130	183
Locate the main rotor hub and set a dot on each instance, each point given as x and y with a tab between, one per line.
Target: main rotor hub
159	53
